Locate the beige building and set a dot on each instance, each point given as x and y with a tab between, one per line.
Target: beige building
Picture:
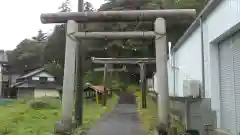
38	83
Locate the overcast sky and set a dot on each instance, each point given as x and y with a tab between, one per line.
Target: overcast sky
20	19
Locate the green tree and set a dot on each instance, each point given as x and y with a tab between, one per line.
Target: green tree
41	36
56	69
26	55
54	52
145	48
137	48
30	51
65	6
55	47
88	6
188	4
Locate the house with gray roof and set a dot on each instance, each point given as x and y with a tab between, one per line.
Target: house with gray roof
37	83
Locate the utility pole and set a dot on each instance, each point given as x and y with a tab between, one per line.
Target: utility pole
79	75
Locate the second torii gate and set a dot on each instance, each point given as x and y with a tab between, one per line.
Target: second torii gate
142	63
159	34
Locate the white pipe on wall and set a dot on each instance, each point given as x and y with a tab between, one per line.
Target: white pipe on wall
170	53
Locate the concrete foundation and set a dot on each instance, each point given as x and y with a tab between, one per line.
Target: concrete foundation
199	114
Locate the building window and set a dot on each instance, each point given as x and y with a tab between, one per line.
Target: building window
43	79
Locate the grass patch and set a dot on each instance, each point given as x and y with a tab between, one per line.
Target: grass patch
19	118
36	117
132	88
92	113
149	116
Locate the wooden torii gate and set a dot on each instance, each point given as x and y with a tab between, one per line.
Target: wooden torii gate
72	36
142	63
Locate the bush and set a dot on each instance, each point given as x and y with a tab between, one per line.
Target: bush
93	77
45	103
132	88
116	85
40	105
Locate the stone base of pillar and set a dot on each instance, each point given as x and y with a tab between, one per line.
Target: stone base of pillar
162	129
64	127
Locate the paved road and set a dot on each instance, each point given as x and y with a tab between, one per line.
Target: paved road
123	120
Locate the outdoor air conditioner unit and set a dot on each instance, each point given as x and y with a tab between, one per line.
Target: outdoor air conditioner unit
191	88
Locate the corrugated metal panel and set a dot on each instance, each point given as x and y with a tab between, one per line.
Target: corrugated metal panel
236	63
227	98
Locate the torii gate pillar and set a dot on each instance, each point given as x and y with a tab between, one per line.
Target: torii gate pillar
65	125
162	78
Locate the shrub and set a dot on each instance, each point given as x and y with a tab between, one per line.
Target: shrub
45	103
116	85
38	104
132	88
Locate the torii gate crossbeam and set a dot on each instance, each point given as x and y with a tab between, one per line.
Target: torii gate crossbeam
142	64
123	60
112	16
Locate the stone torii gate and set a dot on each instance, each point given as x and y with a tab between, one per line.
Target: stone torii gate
72	36
142	63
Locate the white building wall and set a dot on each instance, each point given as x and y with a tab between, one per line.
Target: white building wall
170	79
188	62
188	57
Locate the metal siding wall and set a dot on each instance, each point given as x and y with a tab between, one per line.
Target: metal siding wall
227	98
214	82
236	61
224	17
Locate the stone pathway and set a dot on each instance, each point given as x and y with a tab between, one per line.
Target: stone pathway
123	120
